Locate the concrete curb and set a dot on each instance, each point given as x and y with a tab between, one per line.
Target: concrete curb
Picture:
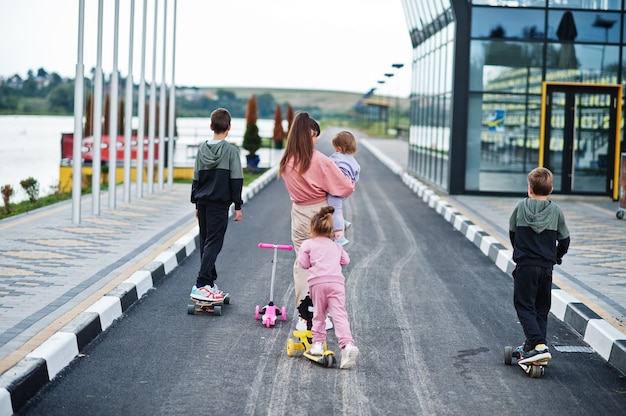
21	382
604	338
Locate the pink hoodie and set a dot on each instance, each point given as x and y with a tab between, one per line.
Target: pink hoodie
323	258
322	178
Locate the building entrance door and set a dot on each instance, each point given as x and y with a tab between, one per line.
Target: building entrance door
580	137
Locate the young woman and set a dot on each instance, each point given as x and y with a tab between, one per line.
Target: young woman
309	177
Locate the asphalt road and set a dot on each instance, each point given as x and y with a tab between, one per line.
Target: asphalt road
430	313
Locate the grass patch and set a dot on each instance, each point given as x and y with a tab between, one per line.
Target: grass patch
44	201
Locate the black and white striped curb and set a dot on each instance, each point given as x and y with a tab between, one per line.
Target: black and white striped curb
22	381
604	338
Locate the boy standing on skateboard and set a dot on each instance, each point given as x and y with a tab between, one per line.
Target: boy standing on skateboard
217	183
540	239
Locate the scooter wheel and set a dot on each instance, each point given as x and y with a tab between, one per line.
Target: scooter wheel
268	323
256	312
508	355
283	313
191	309
291	347
330	361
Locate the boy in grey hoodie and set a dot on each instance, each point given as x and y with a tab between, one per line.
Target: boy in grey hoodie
217	183
540	239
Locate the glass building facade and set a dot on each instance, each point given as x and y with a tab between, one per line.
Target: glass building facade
502	86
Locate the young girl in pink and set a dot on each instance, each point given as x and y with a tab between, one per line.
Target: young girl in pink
327	286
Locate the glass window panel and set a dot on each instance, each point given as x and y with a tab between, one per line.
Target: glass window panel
587	4
497	65
439	6
502	23
511	3
505	144
412	15
597	64
565	25
449	66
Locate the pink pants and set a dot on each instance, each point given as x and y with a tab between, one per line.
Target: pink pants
301	230
330	298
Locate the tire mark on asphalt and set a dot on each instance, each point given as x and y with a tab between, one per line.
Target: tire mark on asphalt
417	370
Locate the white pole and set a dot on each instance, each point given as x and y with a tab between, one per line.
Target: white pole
128	115
97	121
172	112
79	103
162	97
141	109
113	130
152	109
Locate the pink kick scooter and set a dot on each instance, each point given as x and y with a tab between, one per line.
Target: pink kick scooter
270	312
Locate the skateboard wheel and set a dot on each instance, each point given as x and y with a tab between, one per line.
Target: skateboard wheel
227	300
268	323
256	312
508	355
536	371
217	310
291	348
619	214
191	309
283	313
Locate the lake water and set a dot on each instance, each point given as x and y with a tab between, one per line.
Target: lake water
31	146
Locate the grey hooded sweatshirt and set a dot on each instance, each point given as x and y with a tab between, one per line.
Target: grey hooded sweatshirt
538	233
217	176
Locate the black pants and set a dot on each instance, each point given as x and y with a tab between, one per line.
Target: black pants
532	297
213	220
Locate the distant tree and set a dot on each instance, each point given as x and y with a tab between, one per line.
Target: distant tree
29	86
265	105
251	138
61	98
88	129
107	115
290	117
9	99
279	133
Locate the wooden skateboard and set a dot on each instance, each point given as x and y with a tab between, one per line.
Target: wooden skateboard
205	306
533	369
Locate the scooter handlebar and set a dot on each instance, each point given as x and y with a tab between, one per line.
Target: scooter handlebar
277	246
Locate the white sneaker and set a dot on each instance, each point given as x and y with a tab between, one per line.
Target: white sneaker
348	356
317	349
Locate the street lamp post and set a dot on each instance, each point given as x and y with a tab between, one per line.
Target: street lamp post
380	114
397	67
388	75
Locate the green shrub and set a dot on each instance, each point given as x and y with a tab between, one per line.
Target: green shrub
7	193
31	186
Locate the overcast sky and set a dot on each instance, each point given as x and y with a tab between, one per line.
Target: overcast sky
342	45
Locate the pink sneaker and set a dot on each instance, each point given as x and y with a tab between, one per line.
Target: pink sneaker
206	293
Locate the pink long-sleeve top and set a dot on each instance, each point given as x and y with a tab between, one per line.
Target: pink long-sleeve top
322	178
323	258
